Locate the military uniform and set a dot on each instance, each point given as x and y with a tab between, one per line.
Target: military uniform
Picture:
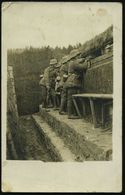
63	71
50	74
74	83
43	92
57	91
63	105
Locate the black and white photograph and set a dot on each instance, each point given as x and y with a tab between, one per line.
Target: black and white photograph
60	72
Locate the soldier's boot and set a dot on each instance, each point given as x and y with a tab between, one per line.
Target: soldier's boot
44	104
62	106
54	103
58	101
73	117
62	113
69	107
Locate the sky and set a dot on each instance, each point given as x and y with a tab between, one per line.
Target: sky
40	24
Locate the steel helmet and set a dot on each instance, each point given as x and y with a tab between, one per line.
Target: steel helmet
74	53
53	61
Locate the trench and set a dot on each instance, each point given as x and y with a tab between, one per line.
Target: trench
30	143
24	93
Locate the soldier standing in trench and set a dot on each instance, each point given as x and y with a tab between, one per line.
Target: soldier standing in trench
63	105
57	91
50	75
64	76
74	83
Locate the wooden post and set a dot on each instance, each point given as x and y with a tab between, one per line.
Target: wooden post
103	115
83	106
76	107
93	112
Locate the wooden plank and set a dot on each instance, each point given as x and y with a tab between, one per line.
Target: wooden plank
76	107
109	60
102	57
100	65
94	95
93	112
108	103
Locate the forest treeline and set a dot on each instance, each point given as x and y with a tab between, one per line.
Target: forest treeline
35	60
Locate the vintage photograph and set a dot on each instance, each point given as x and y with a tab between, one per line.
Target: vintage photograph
60	89
60	80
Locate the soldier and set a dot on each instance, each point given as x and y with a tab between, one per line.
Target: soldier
74	81
50	74
64	67
57	91
64	76
63	106
43	90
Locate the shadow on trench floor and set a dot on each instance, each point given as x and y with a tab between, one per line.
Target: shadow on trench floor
31	143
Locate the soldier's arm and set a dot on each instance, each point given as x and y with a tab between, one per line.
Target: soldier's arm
84	65
81	65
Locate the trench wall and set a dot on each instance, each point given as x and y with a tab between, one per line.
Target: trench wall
99	78
12	110
13	126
